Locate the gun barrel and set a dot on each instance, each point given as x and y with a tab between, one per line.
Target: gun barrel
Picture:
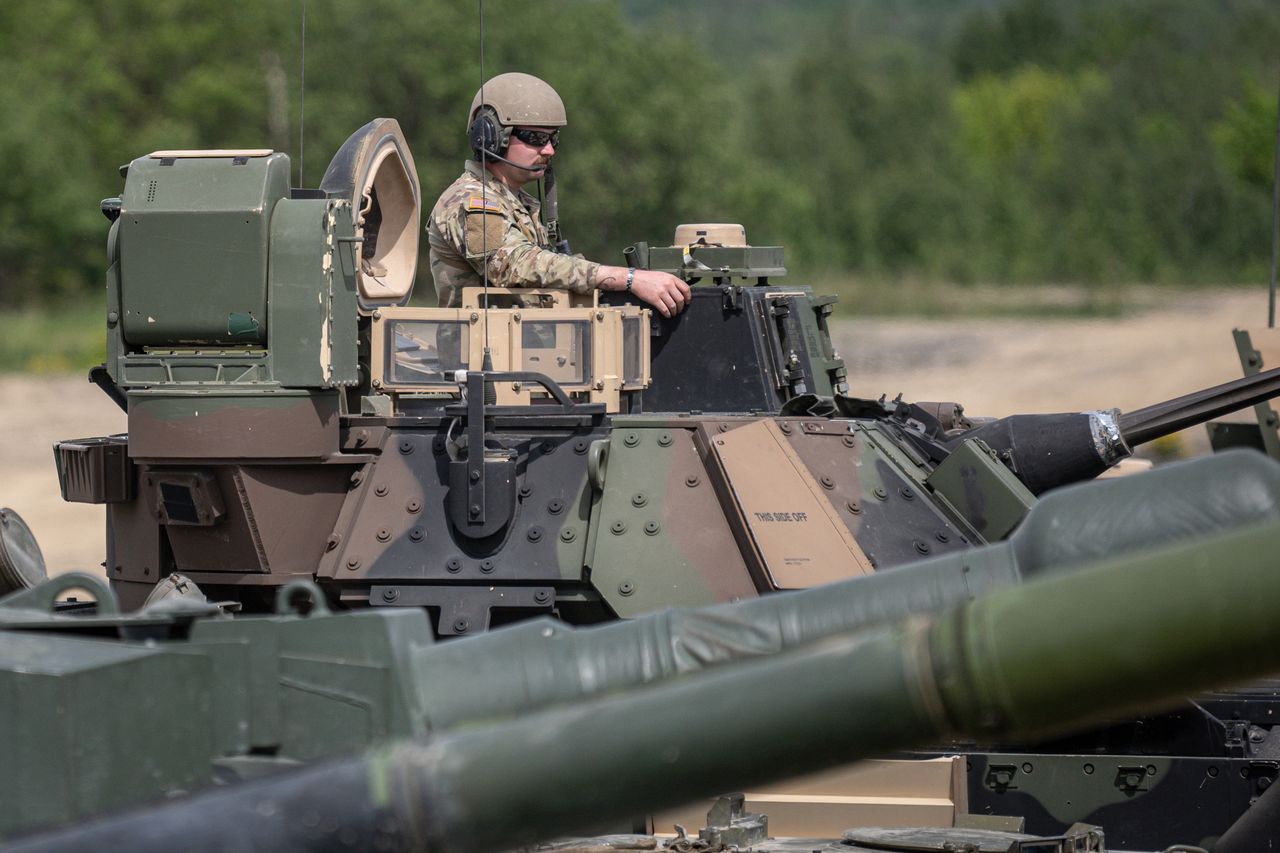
1162	419
1008	664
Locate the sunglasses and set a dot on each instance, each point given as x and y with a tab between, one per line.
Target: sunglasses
537	138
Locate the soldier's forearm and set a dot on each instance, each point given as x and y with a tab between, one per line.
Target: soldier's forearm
611	278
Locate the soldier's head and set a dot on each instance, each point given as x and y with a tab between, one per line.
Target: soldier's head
513	126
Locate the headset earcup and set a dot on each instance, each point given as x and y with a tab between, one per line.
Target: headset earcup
486	134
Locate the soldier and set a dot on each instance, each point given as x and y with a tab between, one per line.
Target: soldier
485	217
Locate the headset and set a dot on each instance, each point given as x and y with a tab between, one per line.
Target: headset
487	134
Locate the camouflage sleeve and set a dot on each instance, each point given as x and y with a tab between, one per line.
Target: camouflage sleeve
514	261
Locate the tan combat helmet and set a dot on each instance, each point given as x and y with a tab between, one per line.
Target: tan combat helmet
520	100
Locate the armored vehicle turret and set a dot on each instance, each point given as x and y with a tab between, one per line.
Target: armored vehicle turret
289	415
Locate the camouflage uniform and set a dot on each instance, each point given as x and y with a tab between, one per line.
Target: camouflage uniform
478	217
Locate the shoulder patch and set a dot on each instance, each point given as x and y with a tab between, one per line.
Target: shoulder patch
483	203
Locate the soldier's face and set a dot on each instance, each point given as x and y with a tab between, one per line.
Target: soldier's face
524	154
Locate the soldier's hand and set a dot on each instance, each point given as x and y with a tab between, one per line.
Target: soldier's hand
662	290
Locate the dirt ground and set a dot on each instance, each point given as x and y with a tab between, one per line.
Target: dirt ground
993	367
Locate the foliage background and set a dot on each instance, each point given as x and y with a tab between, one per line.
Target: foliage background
996	141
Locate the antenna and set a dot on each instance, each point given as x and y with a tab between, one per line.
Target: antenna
487	363
302	92
1275	222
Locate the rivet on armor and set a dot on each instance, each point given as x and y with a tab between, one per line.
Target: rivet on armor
626	587
881	493
722	427
853	507
920	545
353	564
406	446
828	483
849	441
631	439
534	534
416	534
555	506
548	447
475	510
580	446
486	566
413	505
652	528
618	528
942	536
390	594
475	475
692	480
525	491
907	493
639	499
541	596
568	535
384	534
664	440
381	490
785	427
454	565
461	626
